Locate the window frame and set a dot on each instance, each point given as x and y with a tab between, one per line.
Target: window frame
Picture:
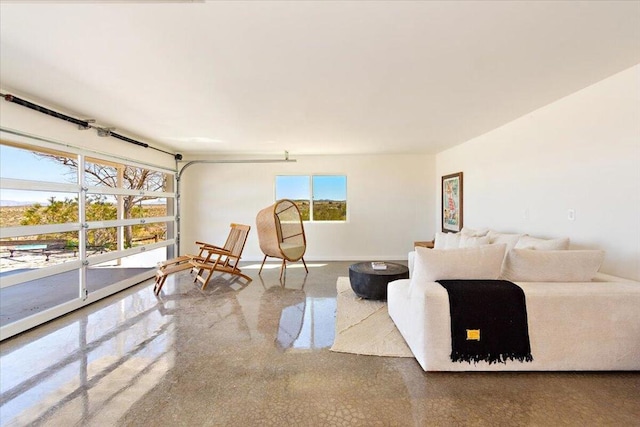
311	198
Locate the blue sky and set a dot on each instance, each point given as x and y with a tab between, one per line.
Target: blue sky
292	187
23	164
330	187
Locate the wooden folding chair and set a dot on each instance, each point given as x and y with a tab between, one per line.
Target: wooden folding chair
183	262
224	260
178	264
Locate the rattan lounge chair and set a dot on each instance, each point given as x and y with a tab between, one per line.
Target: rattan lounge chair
281	233
225	259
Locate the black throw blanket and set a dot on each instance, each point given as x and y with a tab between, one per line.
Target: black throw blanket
488	321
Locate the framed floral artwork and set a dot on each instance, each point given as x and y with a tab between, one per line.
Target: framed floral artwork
452	203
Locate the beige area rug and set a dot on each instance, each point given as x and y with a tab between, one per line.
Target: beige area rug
364	326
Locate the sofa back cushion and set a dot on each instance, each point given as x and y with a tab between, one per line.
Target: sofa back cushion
474	232
446	240
508	239
458	240
527	265
528	242
483	262
473	242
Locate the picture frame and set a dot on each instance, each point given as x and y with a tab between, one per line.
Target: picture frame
451	198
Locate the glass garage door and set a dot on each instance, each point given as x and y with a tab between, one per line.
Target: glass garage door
75	227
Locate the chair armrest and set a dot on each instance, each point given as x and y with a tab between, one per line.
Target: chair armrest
208	247
218	251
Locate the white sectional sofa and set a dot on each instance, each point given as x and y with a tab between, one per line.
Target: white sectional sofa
578	319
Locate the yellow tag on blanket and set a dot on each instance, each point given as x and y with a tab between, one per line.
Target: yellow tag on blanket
473	334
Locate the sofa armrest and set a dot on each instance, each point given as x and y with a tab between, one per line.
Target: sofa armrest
411	262
425	329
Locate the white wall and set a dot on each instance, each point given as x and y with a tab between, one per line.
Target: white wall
17	117
390	198
390	204
581	152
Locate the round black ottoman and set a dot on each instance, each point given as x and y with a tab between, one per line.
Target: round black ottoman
372	284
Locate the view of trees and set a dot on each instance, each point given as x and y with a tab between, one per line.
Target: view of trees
98	207
329	210
105	175
323	210
62	211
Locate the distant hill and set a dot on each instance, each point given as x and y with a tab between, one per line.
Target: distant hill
17	203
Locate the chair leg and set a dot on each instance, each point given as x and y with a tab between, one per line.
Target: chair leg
262	265
198	273
202	279
283	268
159	283
206	281
210	269
305	265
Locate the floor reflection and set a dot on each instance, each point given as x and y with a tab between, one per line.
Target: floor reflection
305	322
34	296
318	324
92	369
94	365
290	325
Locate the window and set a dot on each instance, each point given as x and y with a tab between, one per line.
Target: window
329	197
296	188
319	197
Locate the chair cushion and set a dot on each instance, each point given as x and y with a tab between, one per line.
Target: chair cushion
293	251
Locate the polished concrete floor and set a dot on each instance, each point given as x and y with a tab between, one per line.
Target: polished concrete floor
258	354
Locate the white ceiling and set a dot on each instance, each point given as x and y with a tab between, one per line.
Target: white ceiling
310	77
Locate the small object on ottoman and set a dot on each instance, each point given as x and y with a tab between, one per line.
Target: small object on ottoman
370	283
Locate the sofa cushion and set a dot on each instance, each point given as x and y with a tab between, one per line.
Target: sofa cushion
508	239
458	240
527	265
528	242
473	242
474	232
483	262
446	240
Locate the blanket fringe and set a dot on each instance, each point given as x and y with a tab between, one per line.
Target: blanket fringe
490	358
